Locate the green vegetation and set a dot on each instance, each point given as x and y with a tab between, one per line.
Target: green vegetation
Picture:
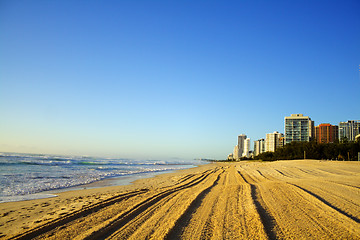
347	151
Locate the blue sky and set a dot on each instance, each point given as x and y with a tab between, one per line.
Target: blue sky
163	79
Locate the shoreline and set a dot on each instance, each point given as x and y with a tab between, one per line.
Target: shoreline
235	199
106	182
20	216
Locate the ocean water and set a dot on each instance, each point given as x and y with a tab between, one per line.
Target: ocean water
29	176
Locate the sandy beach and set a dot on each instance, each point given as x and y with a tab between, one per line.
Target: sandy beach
302	199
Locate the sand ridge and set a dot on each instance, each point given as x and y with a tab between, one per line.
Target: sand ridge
303	199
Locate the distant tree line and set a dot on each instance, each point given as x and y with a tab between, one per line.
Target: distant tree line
345	151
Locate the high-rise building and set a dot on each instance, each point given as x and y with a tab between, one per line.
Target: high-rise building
326	133
259	146
241	142
242	149
298	128
236	154
246	152
349	129
272	141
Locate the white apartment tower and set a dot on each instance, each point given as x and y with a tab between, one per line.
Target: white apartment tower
349	129
246	152
272	141
236	154
242	149
259	146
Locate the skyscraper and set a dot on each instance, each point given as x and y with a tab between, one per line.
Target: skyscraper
246	152
259	146
298	128
241	143
349	129
242	148
272	141
326	133
236	154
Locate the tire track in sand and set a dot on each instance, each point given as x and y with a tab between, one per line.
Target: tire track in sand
130	219
65	225
227	201
227	211
300	215
267	220
184	219
327	203
75	215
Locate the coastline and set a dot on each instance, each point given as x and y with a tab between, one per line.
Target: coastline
18	216
180	204
105	182
114	181
24	175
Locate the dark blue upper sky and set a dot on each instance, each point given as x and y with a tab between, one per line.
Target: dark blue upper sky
157	79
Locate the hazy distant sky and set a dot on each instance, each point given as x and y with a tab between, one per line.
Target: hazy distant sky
162	79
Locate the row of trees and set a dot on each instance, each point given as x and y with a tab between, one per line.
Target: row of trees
347	151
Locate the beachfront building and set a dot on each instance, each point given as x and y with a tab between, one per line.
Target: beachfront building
236	154
326	133
241	143
273	141
349	130
298	128
259	146
242	149
246	152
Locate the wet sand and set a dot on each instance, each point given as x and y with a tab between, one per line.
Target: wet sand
246	200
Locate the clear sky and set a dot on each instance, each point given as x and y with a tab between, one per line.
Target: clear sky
164	79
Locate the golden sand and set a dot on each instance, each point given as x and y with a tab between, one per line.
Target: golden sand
245	200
